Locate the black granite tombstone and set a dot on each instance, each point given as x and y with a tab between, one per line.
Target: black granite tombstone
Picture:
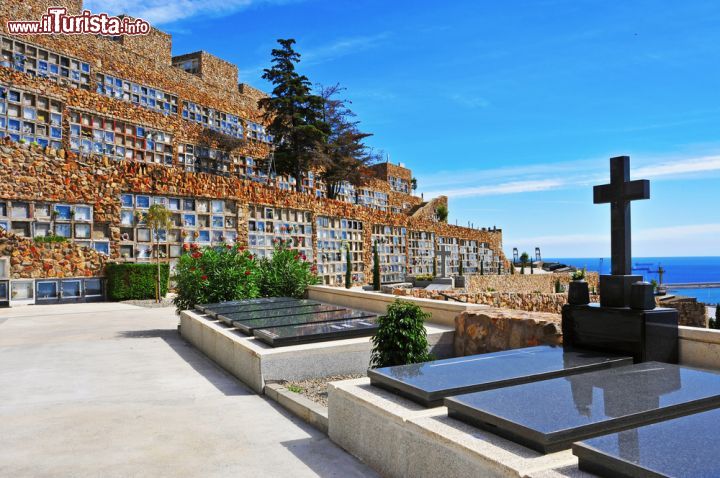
248	326
232	318
428	383
304	333
214	312
652	450
551	414
613	326
263	300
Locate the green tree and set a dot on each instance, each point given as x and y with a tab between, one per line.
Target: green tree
434	265
442	213
524	257
401	338
344	155
460	267
293	114
158	219
348	267
413	184
376	267
482	268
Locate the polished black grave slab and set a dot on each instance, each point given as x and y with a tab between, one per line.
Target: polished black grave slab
236	309
263	300
299	334
428	383
229	318
682	447
247	326
647	335
551	414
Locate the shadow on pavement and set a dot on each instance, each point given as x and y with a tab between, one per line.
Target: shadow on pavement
213	373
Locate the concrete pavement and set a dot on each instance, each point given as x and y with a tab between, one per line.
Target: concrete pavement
111	390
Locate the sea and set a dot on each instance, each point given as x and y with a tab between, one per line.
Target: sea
678	270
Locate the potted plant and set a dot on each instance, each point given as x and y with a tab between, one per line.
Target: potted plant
579	290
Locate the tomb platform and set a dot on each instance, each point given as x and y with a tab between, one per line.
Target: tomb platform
255	362
428	383
399	438
653	450
646	335
550	415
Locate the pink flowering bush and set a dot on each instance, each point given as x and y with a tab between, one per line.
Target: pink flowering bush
287	273
215	274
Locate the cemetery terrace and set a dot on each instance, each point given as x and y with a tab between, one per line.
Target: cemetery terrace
112	126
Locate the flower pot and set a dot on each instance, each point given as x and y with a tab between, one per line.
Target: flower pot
578	293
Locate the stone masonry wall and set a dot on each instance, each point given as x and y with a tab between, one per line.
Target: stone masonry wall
525	283
493	330
30	260
692	313
156	45
46	175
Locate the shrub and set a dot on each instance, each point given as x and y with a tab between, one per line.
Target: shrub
286	274
441	212
135	281
579	274
52	238
216	274
424	277
401	337
714	323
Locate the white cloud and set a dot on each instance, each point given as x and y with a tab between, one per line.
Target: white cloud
542	177
342	47
159	12
500	189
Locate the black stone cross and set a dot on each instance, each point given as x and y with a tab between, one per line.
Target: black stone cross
619	193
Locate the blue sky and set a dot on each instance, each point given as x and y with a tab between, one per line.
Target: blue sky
512	109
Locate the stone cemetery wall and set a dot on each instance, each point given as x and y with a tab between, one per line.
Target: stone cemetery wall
531	302
692	313
493	330
37	174
525	283
30	260
114	95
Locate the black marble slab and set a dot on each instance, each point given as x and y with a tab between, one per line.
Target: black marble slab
231	319
300	334
232	309
646	335
551	414
247	326
428	383
682	447
263	300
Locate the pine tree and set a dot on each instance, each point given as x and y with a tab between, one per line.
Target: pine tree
344	154
294	115
348	265
376	268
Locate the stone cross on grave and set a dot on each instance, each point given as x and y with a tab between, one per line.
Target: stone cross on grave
443	255
615	289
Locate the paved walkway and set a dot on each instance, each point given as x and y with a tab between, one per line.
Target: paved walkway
111	390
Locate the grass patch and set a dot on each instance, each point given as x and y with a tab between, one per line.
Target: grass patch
295	389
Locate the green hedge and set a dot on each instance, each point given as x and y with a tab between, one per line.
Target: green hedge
135	281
